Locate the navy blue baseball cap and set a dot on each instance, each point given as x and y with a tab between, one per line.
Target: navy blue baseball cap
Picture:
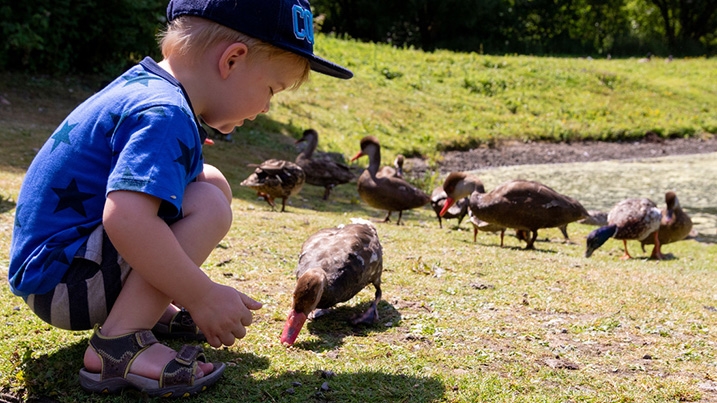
286	24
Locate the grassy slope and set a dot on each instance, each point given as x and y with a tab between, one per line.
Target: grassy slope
417	102
460	322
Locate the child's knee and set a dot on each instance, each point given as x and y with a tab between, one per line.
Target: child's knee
212	175
210	202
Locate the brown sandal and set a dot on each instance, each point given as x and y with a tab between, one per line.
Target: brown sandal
117	354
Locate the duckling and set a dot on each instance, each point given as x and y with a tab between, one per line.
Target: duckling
675	225
335	264
321	172
396	170
634	218
385	192
276	178
519	204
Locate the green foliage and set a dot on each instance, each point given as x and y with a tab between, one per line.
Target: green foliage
618	27
84	36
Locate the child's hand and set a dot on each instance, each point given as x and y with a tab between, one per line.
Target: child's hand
223	314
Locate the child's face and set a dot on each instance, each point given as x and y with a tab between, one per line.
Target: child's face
247	92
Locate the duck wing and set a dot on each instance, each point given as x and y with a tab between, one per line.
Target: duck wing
635	218
277	178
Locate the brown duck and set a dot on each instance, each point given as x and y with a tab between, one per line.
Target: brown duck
276	178
335	264
385	192
520	204
321	172
635	218
675	225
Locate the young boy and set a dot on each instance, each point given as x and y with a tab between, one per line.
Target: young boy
118	210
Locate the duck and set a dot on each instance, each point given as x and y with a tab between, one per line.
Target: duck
675	225
334	265
385	192
276	178
520	204
460	208
633	218
321	172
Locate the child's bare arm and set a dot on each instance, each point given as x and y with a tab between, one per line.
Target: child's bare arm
154	251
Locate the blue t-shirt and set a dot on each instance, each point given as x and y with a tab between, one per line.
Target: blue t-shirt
138	134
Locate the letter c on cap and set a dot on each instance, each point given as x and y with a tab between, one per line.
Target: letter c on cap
303	23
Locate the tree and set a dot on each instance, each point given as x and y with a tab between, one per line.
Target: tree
687	22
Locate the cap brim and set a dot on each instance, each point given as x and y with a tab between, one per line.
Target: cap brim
324	66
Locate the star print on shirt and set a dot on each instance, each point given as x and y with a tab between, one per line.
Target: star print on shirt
17	216
141	78
186	158
156	110
57	255
71	197
130	182
62	135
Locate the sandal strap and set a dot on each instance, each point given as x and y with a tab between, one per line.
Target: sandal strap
182	369
182	322
118	352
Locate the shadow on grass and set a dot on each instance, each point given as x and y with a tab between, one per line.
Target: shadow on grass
335	325
54	378
325	386
6	204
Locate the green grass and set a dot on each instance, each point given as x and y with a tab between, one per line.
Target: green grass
460	322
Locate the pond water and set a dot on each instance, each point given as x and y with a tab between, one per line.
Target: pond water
599	185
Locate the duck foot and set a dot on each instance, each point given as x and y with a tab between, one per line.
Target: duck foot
367	318
626	256
269	199
656	252
531	241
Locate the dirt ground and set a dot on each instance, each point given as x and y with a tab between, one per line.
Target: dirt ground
517	153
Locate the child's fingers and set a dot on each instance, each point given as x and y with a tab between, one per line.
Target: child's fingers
250	303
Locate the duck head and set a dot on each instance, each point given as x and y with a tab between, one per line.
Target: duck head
672	203
370	147
309	289
598	237
459	185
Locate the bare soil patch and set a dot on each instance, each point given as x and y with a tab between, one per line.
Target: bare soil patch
520	153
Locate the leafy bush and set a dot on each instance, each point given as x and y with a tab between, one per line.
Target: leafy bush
78	36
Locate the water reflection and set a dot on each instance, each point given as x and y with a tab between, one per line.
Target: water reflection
599	185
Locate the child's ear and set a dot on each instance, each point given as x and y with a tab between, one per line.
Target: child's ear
231	57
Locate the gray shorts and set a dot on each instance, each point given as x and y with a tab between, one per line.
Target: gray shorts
88	290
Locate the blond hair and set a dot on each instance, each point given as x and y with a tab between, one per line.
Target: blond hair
192	36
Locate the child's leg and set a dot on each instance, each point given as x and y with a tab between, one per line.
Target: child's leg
207	218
